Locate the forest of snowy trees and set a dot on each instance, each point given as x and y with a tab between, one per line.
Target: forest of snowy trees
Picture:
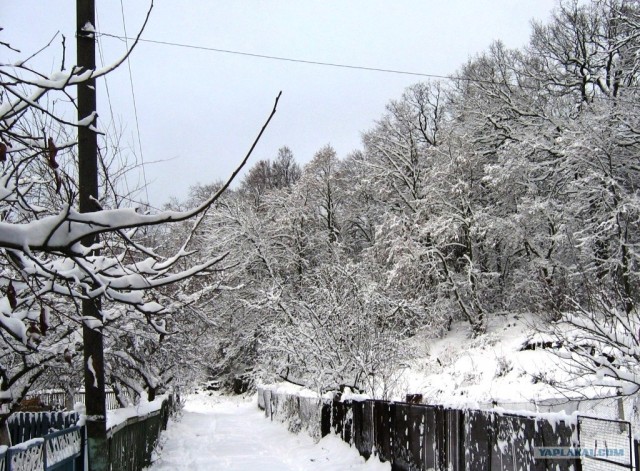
511	188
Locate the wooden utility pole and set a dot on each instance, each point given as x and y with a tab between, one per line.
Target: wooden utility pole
96	421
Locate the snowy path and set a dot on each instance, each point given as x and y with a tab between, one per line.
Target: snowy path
221	433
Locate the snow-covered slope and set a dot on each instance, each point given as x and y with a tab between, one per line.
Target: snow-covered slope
499	369
457	369
495	370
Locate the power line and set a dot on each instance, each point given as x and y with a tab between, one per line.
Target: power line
342	66
106	85
135	105
288	59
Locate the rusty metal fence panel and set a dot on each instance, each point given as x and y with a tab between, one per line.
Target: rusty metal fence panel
453	440
560	434
430	440
478	437
514	439
417	421
400	454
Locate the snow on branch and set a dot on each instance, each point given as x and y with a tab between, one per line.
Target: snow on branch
26	93
46	257
61	232
43	261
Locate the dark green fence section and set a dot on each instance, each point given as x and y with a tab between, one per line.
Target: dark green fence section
132	442
24	426
420	437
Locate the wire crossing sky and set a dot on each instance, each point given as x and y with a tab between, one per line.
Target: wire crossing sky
344	66
198	112
285	59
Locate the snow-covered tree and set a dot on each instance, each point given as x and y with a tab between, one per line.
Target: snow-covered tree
341	331
48	270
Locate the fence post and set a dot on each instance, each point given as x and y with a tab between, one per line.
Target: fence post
79	465
441	437
325	418
44	454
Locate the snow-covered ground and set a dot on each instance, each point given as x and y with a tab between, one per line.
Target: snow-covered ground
218	432
494	370
223	433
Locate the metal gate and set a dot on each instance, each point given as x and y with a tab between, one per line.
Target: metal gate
604	444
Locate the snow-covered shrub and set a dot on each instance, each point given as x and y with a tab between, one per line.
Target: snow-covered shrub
503	365
341	333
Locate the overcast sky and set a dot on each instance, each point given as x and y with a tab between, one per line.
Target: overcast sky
200	110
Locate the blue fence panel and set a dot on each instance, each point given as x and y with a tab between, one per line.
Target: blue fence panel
28	456
64	450
130	444
58	451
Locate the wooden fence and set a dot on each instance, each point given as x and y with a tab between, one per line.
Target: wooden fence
420	437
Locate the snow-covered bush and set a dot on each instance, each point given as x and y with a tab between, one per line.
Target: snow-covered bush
340	333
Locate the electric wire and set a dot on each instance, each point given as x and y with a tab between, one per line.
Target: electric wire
135	105
106	86
287	59
106	82
350	66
